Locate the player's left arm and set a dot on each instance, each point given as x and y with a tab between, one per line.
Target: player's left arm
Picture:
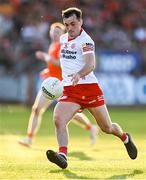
87	68
88	50
89	64
56	61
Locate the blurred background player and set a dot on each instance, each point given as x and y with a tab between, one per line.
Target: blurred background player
41	103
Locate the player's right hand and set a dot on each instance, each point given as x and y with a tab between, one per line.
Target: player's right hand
74	78
40	55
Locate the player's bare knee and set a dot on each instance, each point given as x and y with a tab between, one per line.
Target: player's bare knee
35	110
77	116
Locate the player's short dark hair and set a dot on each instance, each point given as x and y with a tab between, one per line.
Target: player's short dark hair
72	11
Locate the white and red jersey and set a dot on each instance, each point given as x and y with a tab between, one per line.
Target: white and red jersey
71	57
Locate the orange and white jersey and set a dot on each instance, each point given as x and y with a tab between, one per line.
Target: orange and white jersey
71	57
53	70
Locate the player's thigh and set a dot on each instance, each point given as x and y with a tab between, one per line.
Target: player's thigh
102	116
65	110
41	101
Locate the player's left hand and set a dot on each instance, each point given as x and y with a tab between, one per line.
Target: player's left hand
74	78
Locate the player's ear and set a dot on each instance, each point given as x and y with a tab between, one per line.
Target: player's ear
81	22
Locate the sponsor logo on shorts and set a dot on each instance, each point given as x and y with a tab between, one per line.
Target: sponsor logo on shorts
63	97
100	98
83	97
93	101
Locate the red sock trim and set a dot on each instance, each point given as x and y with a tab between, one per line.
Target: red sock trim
124	137
30	135
88	126
63	149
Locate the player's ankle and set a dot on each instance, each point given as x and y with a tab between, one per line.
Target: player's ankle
30	135
124	138
63	150
89	126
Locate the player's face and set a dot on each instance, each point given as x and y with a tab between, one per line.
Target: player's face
55	33
73	25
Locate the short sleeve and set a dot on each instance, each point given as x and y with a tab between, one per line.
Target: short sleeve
88	46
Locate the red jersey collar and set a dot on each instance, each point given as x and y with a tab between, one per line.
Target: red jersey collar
71	38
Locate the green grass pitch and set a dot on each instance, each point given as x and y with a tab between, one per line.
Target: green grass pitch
107	159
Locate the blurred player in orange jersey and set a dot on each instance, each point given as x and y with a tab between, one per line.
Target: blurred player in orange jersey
41	103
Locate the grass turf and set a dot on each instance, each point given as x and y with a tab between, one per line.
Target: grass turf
107	159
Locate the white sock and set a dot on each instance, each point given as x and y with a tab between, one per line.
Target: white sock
63	154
